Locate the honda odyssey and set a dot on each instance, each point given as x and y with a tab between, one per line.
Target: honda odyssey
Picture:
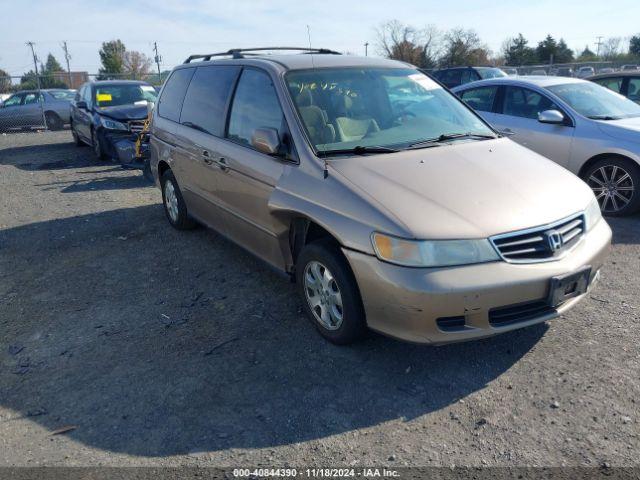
389	201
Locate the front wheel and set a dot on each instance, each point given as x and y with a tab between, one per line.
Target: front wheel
330	293
616	184
98	149
76	137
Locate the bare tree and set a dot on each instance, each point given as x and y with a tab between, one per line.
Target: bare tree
463	47
610	48
404	42
136	64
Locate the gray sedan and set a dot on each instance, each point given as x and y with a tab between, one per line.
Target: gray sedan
588	129
28	109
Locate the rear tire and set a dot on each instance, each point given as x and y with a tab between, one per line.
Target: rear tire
53	121
616	184
330	294
174	207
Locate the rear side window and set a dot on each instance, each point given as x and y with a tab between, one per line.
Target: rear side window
170	102
255	105
480	99
206	98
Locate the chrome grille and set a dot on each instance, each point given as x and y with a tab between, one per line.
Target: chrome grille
136	126
545	243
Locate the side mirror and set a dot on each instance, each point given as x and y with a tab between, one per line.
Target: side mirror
551	116
266	140
81	105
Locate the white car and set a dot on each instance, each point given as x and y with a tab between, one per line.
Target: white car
584	72
588	129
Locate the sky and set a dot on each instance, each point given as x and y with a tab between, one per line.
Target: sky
185	27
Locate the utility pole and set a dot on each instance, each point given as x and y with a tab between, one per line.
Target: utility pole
158	59
598	44
366	49
67	57
35	64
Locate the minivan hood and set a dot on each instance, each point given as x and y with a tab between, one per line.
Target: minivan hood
124	112
473	189
627	129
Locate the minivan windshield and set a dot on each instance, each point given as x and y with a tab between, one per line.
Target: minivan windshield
395	108
596	102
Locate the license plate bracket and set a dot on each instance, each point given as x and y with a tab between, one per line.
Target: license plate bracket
565	287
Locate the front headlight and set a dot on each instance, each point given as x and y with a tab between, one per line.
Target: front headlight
592	214
112	124
432	253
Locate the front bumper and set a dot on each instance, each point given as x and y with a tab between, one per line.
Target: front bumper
120	146
407	303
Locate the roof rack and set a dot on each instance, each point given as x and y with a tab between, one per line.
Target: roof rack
241	52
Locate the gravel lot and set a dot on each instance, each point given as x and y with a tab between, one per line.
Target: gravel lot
171	348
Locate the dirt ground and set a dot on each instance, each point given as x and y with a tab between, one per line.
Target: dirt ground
158	347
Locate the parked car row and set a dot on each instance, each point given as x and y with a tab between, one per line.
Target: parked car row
587	129
392	204
33	108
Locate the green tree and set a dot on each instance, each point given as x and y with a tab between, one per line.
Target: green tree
5	82
634	45
49	79
112	56
516	51
587	56
547	49
563	54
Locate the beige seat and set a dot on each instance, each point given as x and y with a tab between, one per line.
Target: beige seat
351	126
315	119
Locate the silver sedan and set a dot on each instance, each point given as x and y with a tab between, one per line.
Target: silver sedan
586	128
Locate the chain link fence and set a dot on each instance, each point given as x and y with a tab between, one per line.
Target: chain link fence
31	103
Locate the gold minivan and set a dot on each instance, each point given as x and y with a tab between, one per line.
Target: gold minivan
392	204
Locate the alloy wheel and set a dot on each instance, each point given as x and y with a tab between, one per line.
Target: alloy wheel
323	295
612	186
171	201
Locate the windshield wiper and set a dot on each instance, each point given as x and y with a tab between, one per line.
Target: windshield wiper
603	117
357	150
445	137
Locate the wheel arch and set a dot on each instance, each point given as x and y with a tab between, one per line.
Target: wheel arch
601	156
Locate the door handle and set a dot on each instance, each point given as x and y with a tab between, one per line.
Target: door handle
508	132
222	164
206	157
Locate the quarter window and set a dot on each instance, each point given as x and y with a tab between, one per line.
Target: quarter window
525	103
206	98
614	84
480	99
255	105
633	90
173	94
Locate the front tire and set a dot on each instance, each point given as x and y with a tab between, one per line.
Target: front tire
98	149
329	293
76	137
616	184
174	207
